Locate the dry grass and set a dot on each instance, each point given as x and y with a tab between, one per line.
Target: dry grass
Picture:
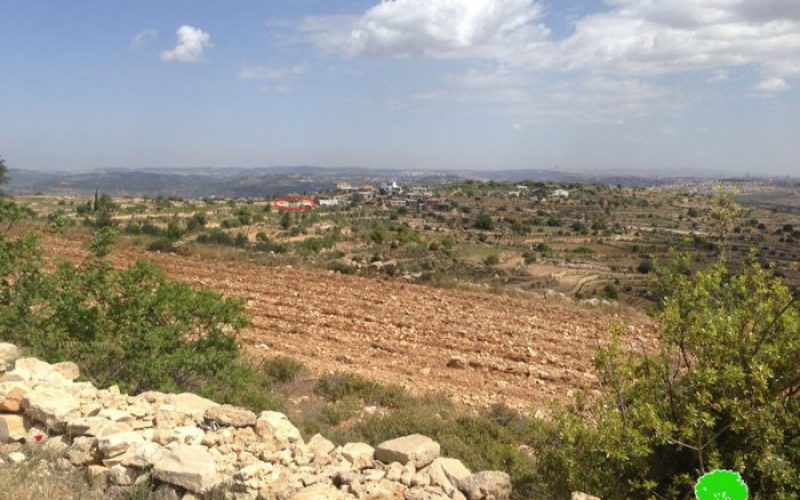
37	480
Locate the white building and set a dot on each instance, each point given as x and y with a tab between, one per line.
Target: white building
561	193
328	202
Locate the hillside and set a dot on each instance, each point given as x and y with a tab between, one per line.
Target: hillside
478	347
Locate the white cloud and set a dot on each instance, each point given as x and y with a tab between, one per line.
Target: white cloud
143	38
261	72
192	42
634	37
437	28
771	85
607	68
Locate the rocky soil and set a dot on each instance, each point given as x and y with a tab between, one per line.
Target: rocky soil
190	447
478	347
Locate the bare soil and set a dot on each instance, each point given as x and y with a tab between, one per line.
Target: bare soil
518	350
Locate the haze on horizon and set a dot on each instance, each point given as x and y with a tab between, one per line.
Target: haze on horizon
470	84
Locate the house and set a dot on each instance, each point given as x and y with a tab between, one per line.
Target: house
561	193
397	203
365	195
332	202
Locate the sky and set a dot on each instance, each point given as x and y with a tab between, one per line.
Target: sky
587	85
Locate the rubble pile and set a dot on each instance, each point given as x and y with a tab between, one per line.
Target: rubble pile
195	448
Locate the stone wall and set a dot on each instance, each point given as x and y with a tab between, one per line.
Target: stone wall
196	448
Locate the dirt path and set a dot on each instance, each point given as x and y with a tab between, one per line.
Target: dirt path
521	351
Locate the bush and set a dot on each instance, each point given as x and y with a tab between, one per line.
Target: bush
216	237
340	385
492	260
645	266
131	327
161	245
720	391
610	291
484	222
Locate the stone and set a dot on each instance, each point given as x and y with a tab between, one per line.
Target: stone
165	492
447	472
319	492
68	370
83	451
8	352
278	426
97	476
12	402
141	455
191	404
190	467
95	426
416	448
231	416
112	445
12	428
115	415
577	495
188	434
56	447
318	445
122	476
456	362
486	485
51	406
16	457
360	455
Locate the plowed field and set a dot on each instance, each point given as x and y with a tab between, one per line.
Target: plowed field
517	350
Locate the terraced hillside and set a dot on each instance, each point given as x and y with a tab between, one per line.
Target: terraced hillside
478	347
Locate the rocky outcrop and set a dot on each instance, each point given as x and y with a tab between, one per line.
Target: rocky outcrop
196	448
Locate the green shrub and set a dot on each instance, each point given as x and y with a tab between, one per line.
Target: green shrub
492	260
484	222
132	327
719	391
281	369
161	245
340	385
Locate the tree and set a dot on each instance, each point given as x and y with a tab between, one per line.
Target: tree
721	390
3	171
484	222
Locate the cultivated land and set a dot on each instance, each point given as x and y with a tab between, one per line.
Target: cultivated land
489	293
517	350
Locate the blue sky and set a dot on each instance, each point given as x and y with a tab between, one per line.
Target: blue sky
488	84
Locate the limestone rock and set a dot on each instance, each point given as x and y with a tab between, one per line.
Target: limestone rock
318	445
278	426
12	402
449	469
16	457
231	416
68	370
8	352
360	455
95	426
416	448
12	428
319	492
486	485
190	467
97	476
191	405
51	406
577	495
112	445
